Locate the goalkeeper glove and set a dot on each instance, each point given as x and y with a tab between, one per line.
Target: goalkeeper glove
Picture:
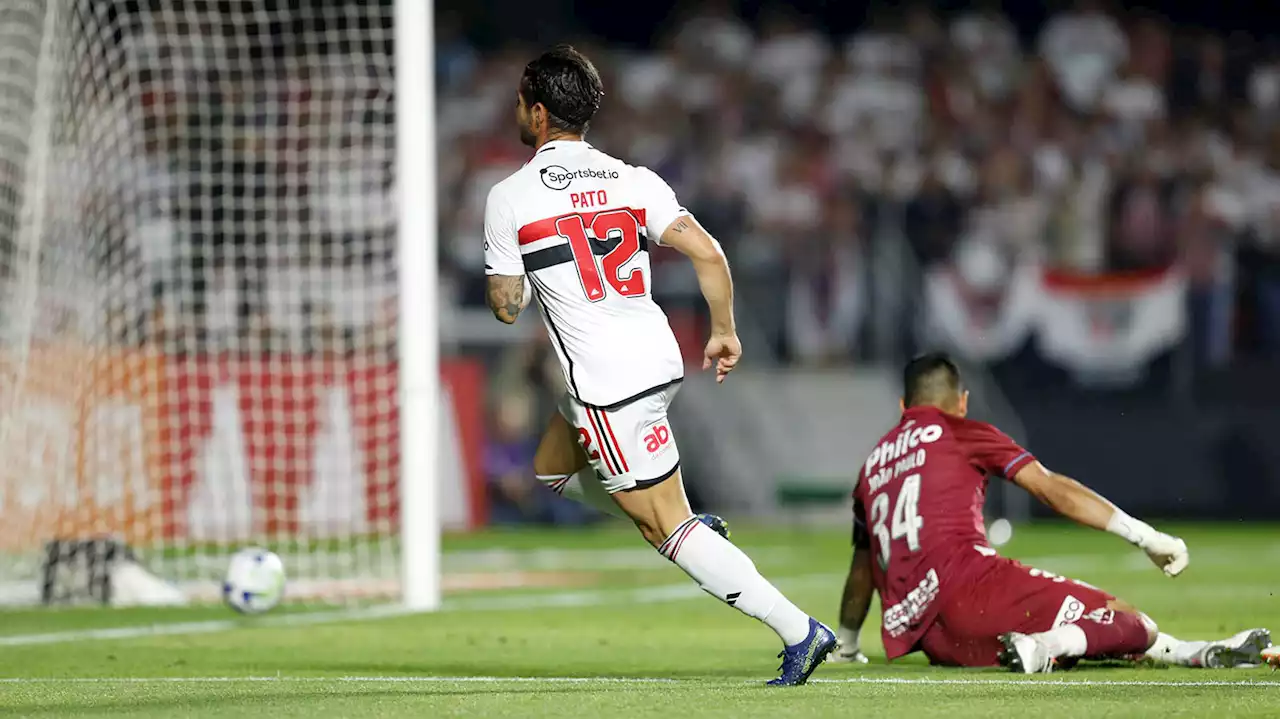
847	651
1167	552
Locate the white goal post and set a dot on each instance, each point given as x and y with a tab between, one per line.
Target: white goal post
218	291
419	315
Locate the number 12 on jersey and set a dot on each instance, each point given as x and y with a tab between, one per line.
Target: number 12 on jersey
906	521
611	226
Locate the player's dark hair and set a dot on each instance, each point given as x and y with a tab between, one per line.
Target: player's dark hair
567	84
930	379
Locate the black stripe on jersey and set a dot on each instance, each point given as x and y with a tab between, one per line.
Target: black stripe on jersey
537	292
606	441
549	147
560	254
637	396
646	483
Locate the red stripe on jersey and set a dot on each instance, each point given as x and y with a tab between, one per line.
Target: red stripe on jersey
610	448
617	448
544	228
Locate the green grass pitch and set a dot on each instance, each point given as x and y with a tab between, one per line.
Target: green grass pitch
609	629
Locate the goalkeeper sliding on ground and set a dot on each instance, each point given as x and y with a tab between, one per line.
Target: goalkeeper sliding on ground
947	593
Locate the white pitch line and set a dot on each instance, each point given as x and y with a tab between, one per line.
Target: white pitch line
506	602
1051	682
332	680
205	627
922	681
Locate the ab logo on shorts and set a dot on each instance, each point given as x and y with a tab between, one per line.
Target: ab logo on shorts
657	439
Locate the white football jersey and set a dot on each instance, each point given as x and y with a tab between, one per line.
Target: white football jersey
578	223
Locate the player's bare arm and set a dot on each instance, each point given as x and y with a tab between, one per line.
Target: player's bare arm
506	295
1077	502
855	602
689	238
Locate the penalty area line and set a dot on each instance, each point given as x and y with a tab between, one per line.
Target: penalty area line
921	681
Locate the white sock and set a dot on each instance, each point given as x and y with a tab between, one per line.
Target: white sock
584	488
723	571
1172	650
1067	640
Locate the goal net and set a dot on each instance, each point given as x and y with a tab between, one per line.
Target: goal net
197	289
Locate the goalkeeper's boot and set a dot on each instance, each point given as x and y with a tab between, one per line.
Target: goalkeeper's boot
799	660
1025	654
1271	656
1242	650
716	522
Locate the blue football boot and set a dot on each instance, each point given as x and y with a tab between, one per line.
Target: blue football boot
799	660
716	522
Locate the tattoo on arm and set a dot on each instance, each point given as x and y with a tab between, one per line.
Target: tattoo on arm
506	296
680	226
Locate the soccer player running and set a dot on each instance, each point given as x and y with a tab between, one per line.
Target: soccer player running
573	228
942	587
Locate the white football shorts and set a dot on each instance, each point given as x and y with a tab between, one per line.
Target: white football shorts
629	446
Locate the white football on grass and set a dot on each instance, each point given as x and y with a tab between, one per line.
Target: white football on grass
255	581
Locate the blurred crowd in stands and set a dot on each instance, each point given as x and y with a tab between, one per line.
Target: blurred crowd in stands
1106	143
